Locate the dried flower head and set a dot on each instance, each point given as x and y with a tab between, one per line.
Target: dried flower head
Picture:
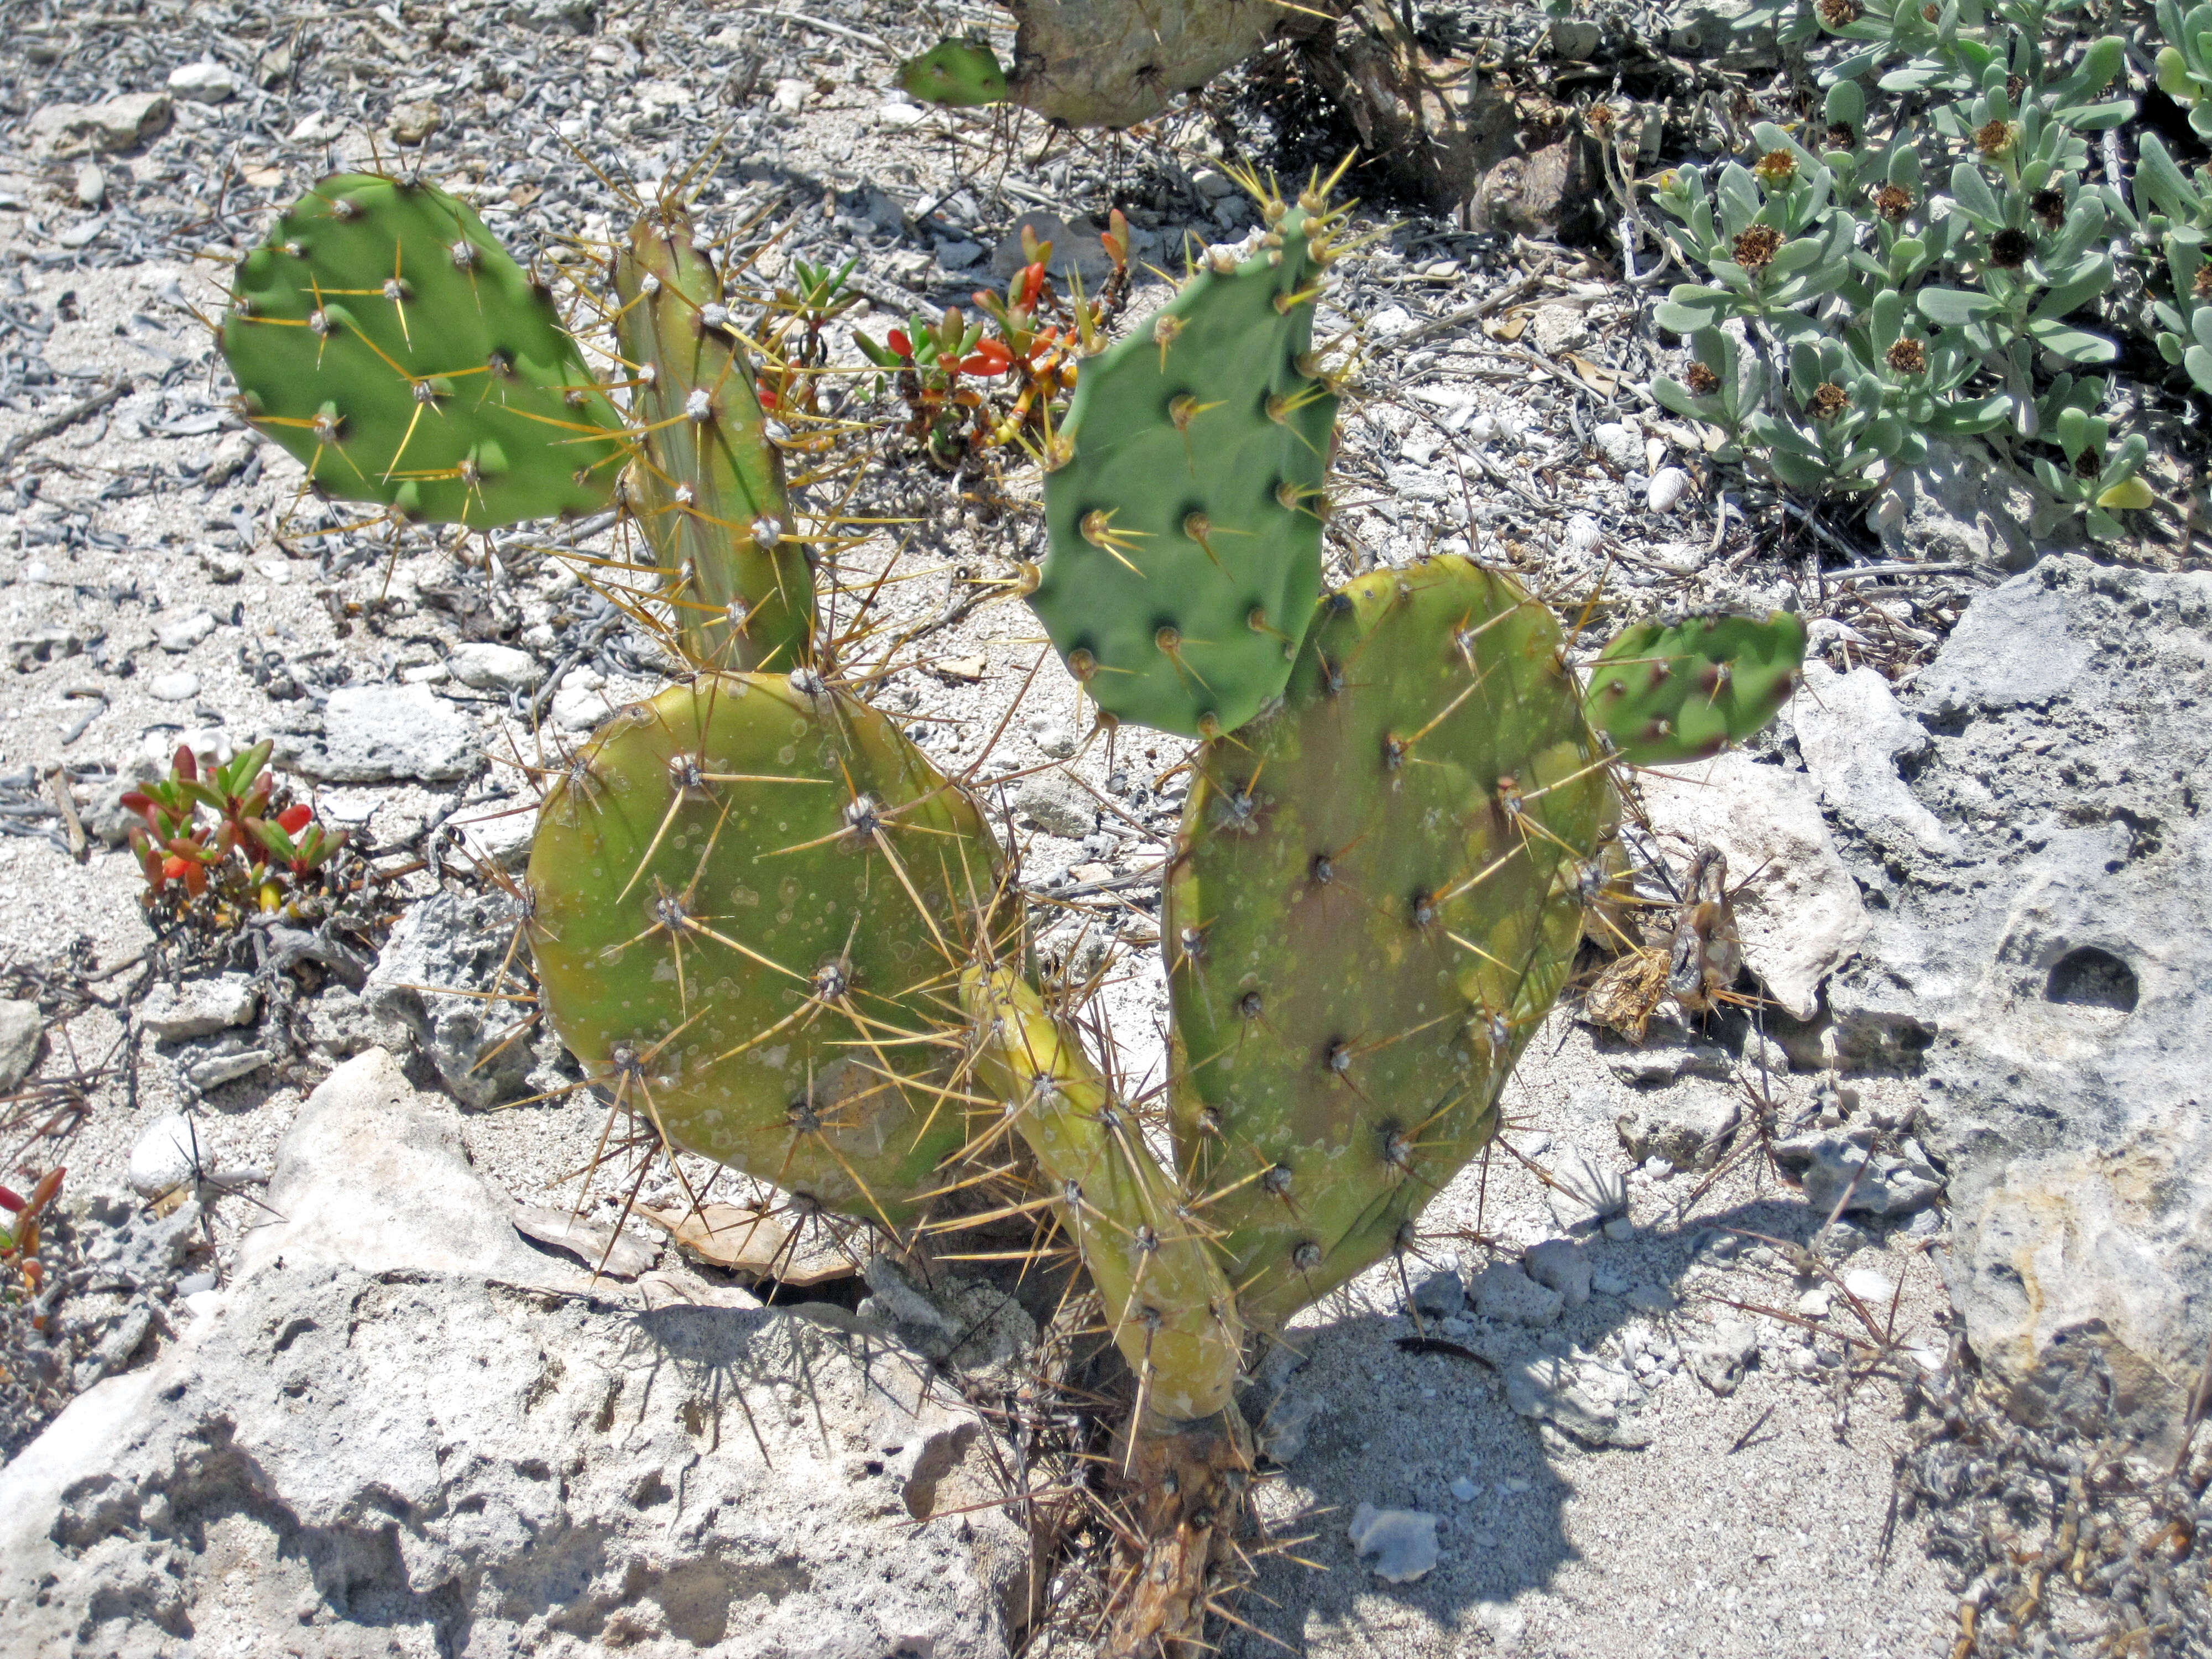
1828	401
1996	139
1841	134
1928	12
1601	118
2009	249
2050	206
1892	201
1839	14
1704	382
2014	85
1775	169
1755	249
2202	288
1907	356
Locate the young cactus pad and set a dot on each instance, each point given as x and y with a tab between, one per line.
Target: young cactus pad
1378	894
708	486
957	74
1183	495
1665	695
1170	1310
747	911
383	336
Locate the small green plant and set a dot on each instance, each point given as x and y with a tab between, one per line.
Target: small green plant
2185	63
974	385
1902	310
217	846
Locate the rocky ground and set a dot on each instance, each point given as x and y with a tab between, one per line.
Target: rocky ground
1864	1321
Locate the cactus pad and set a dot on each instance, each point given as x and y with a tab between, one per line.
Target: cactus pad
708	486
1113	63
748	904
1183	495
1665	695
1378	894
383	336
957	74
1170	1311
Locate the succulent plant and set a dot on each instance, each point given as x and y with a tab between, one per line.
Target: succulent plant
1184	492
1667	694
1377	894
707	485
770	928
1097	63
383	336
750	900
1907	310
2185	63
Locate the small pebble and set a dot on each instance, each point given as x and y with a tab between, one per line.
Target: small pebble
1668	487
1620	1228
1403	1541
1464	1490
1814	1304
1869	1286
1441	1293
180	687
1609	1281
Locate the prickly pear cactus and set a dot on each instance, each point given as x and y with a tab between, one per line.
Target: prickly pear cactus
1187	1455
708	486
747	910
1170	1311
1682	693
383	336
1183	495
1116	63
957	74
1378	894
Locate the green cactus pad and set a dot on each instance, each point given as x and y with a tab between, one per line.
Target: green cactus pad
750	903
707	487
1170	1311
958	74
383	336
1665	695
1183	495
1116	63
1378	894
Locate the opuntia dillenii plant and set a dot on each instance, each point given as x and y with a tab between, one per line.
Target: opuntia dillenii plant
773	930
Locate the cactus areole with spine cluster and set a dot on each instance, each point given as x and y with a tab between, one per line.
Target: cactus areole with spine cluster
771	929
